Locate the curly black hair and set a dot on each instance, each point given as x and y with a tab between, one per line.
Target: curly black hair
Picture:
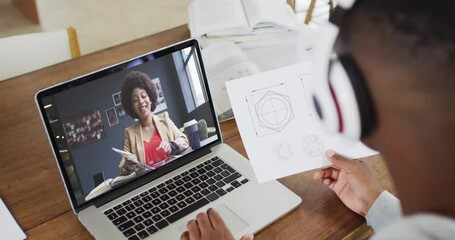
136	79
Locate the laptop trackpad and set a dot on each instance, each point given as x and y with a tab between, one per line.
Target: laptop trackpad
234	222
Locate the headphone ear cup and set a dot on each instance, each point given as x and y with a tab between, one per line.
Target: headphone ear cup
344	97
321	90
326	108
356	106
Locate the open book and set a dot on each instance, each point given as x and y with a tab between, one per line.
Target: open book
239	17
108	184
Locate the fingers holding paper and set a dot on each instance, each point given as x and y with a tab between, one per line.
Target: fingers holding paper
128	167
353	181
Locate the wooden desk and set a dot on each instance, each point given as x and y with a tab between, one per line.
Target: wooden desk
31	186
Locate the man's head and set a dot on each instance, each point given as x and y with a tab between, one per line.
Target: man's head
406	51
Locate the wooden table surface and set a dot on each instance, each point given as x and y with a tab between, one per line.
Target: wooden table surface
31	187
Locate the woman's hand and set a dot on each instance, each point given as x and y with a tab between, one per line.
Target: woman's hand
208	226
164	147
128	167
353	181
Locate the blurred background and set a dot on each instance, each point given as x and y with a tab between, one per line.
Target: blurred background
99	24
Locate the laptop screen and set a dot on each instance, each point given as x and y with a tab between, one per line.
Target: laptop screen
135	120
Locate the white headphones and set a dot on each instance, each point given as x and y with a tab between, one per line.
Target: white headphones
340	95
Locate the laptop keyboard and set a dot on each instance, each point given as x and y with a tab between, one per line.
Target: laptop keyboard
164	204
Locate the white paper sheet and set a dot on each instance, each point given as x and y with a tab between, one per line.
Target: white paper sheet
9	229
279	126
132	158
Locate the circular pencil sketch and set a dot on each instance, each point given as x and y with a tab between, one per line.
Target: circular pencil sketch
274	111
283	151
313	145
348	142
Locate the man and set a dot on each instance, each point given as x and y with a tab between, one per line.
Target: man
405	50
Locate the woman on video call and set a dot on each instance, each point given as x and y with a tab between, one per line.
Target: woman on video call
154	137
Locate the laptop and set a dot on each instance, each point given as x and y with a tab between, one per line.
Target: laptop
85	120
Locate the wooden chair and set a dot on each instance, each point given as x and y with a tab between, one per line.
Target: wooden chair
28	52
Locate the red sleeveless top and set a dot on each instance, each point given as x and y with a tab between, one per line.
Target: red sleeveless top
151	154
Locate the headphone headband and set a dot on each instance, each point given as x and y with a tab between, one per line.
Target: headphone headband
340	94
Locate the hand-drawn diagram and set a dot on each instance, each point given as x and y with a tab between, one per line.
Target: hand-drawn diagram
313	145
270	109
283	151
304	80
347	142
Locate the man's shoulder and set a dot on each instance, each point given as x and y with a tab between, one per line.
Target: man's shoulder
419	226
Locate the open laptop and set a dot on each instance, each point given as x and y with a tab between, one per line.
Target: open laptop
84	120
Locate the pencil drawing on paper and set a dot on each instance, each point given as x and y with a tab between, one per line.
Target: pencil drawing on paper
283	152
313	145
347	142
270	109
